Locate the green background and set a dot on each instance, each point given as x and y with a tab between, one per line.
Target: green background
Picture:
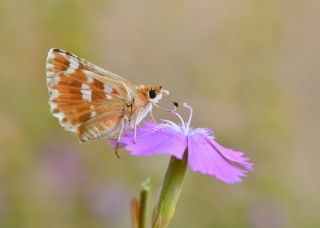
250	69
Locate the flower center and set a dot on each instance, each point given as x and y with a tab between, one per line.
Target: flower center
185	125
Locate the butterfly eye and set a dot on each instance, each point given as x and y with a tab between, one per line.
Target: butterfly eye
152	94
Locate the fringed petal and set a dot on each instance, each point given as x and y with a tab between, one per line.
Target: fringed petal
208	157
155	139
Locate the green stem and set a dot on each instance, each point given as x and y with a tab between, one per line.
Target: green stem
169	192
144	195
139	207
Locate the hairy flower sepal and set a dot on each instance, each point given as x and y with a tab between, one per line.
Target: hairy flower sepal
205	155
169	192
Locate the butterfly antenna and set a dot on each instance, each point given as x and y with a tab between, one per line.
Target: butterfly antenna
165	109
166	93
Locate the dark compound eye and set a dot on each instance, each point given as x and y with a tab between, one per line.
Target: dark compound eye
152	94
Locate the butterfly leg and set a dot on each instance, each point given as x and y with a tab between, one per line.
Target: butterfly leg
116	149
152	117
135	134
135	127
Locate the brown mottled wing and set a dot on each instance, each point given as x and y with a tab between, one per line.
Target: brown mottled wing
85	98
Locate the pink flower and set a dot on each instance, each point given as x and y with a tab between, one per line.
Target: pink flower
205	155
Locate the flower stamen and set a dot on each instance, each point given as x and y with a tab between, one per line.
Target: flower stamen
190	116
181	119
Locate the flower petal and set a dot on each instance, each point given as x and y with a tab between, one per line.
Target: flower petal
152	139
234	156
208	157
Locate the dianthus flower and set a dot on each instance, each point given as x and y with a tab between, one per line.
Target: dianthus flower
205	155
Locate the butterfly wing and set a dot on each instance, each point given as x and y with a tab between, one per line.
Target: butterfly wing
86	99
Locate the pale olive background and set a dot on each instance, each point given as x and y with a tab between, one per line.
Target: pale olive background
250	69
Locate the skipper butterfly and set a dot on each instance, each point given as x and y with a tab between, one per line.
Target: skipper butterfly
93	102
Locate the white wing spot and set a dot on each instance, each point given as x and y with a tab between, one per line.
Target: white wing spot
50	53
86	95
50	74
107	89
109	97
74	64
86	92
52	105
69	71
54	94
59	115
85	86
49	66
93	114
53	80
90	79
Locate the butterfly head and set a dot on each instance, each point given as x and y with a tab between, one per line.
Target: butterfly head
154	93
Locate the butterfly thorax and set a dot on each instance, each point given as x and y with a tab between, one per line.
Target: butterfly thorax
142	104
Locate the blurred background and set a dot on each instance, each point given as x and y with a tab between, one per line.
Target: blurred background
250	69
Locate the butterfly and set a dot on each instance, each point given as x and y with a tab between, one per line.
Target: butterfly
93	102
